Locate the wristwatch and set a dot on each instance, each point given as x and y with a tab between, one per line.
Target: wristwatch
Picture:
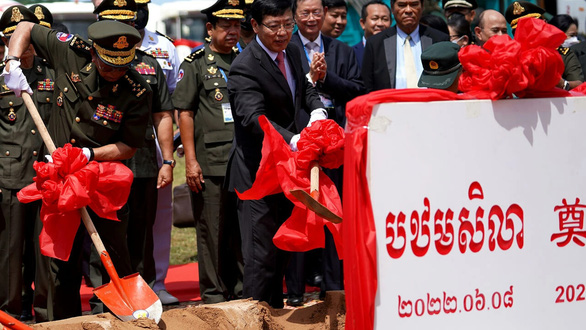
11	58
566	85
169	162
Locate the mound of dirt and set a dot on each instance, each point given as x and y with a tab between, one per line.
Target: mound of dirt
236	314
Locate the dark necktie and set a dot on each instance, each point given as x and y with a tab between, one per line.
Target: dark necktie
281	64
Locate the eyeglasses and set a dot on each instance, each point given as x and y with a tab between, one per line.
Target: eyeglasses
275	27
316	13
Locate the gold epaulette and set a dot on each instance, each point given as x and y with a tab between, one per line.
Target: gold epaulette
165	36
195	55
79	43
563	50
137	87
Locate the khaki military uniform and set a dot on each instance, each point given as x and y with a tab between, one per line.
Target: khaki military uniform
20	145
202	88
572	67
142	201
89	111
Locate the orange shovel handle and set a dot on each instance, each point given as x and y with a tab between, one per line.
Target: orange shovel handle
10	322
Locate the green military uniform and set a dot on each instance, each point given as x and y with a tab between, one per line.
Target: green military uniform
202	88
20	145
90	111
572	66
142	201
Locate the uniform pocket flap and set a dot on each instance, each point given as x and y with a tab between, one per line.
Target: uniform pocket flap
218	136
10	151
10	102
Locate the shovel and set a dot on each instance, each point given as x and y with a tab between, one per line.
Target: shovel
9	322
311	200
129	298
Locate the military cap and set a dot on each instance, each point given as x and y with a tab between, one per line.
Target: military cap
14	15
440	65
522	9
470	4
114	42
119	10
142	2
43	14
228	9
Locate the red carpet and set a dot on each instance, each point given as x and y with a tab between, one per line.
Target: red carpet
182	281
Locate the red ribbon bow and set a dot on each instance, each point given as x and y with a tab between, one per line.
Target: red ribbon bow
282	170
68	184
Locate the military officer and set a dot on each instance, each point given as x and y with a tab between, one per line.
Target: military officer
572	76
207	130
142	201
19	148
103	108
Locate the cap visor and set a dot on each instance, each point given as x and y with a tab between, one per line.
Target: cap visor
438	82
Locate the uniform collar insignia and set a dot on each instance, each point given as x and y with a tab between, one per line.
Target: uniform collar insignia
88	67
518	9
212	70
115	88
39	69
210	57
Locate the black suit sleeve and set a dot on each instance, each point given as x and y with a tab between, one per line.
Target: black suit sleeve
368	68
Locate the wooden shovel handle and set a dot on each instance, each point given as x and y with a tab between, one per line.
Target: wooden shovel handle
87	221
314	179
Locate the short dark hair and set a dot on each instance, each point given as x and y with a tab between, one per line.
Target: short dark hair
459	23
435	22
364	10
294	7
262	8
334	3
562	22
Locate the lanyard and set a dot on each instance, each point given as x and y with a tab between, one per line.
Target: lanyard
223	74
239	47
321	50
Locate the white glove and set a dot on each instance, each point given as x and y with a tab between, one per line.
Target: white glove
180	151
15	79
88	153
293	143
48	158
317	114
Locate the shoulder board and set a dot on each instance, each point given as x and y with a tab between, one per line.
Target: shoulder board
563	50
137	84
195	55
79	43
165	36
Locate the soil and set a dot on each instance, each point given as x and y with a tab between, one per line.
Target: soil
236	314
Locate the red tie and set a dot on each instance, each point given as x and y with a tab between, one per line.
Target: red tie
281	63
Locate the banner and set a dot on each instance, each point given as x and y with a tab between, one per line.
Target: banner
479	213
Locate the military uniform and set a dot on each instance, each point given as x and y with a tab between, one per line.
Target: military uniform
19	147
572	66
202	88
142	201
161	47
90	111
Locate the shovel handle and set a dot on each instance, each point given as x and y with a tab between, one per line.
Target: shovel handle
314	181
87	221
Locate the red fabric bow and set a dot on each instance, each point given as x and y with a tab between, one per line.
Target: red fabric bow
68	184
282	170
527	66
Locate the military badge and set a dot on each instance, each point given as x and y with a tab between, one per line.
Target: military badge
12	115
88	67
145	69
64	37
119	3
115	88
180	75
39	69
60	99
210	57
212	70
39	13
121	43
45	85
151	38
75	77
233	3
16	15
159	53
110	113
218	95
518	9
433	65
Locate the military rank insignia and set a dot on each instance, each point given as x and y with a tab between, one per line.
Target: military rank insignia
60	99
159	53
108	112
75	77
45	85
12	115
145	69
212	70
218	95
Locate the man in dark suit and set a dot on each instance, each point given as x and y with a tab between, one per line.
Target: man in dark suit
266	79
375	17
385	64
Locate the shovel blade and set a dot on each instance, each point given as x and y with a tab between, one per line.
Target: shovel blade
137	299
315	206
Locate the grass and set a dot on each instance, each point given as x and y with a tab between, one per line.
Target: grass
183	241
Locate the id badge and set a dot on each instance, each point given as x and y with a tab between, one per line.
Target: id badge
227	110
326	101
